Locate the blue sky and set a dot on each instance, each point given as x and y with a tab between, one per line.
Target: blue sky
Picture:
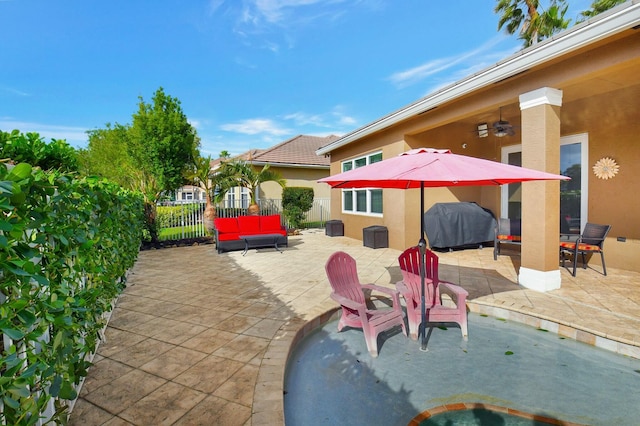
248	73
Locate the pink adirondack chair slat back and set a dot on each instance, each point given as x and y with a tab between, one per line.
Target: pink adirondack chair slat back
343	276
435	310
410	268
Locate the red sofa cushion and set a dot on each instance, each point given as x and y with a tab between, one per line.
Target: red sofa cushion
226	225
249	225
270	223
228	236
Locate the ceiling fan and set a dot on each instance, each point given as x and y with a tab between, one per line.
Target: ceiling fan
502	127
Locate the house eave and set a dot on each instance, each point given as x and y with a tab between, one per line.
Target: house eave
291	165
616	20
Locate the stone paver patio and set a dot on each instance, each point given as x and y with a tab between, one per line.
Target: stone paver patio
201	338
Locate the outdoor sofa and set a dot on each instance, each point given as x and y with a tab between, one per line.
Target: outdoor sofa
228	231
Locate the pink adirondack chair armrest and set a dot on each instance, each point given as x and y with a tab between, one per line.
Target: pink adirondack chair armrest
404	290
395	296
459	292
343	301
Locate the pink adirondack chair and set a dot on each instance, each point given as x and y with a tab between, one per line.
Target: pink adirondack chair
348	292
410	289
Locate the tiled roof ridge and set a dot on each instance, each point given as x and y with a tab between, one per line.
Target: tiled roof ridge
273	148
298	150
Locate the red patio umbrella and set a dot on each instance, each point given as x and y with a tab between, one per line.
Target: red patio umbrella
428	167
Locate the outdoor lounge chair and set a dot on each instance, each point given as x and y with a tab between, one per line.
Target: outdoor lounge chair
410	289
348	292
591	241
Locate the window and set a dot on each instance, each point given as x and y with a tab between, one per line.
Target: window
244	197
230	200
366	200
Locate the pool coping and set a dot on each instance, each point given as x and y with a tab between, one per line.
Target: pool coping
496	408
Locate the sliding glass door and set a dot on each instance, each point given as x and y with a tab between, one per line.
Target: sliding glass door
573	194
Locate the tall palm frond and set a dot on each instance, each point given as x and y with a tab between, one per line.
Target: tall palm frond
524	17
243	174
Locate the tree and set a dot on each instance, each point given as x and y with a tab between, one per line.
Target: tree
597	7
161	140
243	174
161	144
533	26
106	155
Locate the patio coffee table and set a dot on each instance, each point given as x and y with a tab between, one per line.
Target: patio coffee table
260	240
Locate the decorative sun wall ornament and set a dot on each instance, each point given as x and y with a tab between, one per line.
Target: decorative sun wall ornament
606	168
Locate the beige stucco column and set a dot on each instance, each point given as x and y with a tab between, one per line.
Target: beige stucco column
539	268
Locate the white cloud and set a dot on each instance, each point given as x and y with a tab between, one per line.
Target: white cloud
334	119
303	119
274	11
263	133
75	136
472	60
254	126
13	91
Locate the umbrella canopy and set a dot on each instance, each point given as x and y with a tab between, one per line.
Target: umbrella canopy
428	167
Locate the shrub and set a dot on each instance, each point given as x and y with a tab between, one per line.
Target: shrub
172	216
296	201
31	148
66	244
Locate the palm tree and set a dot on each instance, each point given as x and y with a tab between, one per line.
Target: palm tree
597	7
533	26
243	174
200	175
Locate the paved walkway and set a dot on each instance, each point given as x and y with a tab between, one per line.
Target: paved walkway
199	338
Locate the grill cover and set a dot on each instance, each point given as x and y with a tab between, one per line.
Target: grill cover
451	225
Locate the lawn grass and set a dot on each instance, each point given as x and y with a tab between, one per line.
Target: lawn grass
179	232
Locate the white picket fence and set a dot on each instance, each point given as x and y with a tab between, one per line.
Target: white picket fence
189	224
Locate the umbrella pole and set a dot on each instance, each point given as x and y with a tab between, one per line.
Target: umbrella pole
422	246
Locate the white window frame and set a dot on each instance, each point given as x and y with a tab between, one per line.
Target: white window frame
354	191
230	199
244	197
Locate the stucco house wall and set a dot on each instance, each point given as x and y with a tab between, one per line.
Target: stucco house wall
599	84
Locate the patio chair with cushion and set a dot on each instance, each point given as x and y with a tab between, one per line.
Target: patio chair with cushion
410	288
508	231
348	292
590	241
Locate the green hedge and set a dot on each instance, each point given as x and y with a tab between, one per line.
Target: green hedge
66	244
172	216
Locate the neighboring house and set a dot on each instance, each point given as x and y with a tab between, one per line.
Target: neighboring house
190	193
572	100
296	161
